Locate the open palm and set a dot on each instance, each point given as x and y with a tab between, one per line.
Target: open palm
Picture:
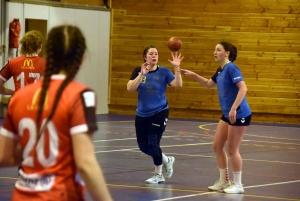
176	59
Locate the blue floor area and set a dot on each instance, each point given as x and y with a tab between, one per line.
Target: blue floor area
271	162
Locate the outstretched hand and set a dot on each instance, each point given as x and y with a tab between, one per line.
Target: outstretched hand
176	59
187	72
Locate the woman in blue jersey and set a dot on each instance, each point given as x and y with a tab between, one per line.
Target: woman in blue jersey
236	115
150	81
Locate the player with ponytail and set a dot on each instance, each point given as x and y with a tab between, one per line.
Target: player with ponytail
235	119
53	121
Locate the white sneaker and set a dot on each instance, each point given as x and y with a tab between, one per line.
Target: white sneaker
156	179
169	167
219	185
234	189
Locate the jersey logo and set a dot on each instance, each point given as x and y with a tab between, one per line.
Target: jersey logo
89	98
34	103
144	79
28	64
165	122
156	78
35	182
237	78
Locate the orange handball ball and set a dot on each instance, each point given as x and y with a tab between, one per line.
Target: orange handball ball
174	44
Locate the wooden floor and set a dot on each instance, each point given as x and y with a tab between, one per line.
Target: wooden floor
271	162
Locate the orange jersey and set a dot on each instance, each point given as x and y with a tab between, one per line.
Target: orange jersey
48	167
24	70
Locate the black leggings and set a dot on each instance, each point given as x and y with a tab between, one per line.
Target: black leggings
149	131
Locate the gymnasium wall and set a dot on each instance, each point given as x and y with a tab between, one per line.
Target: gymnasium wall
95	25
266	33
89	2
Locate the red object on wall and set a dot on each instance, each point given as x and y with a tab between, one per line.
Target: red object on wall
14	33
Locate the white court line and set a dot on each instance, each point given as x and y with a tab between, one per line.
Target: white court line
96	152
193	195
191	155
203	156
273	142
297	144
120	139
111	122
182	136
202	127
273	184
251	135
115	140
260	136
180	145
277	138
186	196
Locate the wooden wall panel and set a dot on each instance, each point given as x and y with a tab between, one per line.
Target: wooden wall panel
266	33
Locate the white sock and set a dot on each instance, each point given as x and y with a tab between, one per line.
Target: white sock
158	169
165	159
237	177
224	174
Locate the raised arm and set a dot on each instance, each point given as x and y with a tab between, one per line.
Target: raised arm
88	167
208	83
132	85
177	82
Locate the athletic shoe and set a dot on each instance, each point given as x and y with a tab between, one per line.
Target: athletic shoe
219	185
156	179
234	189
169	167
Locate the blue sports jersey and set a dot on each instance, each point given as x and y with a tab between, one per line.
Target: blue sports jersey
151	91
226	80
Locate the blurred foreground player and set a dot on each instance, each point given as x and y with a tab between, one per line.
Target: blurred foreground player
49	125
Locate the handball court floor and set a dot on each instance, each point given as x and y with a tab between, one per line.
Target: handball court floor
271	162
